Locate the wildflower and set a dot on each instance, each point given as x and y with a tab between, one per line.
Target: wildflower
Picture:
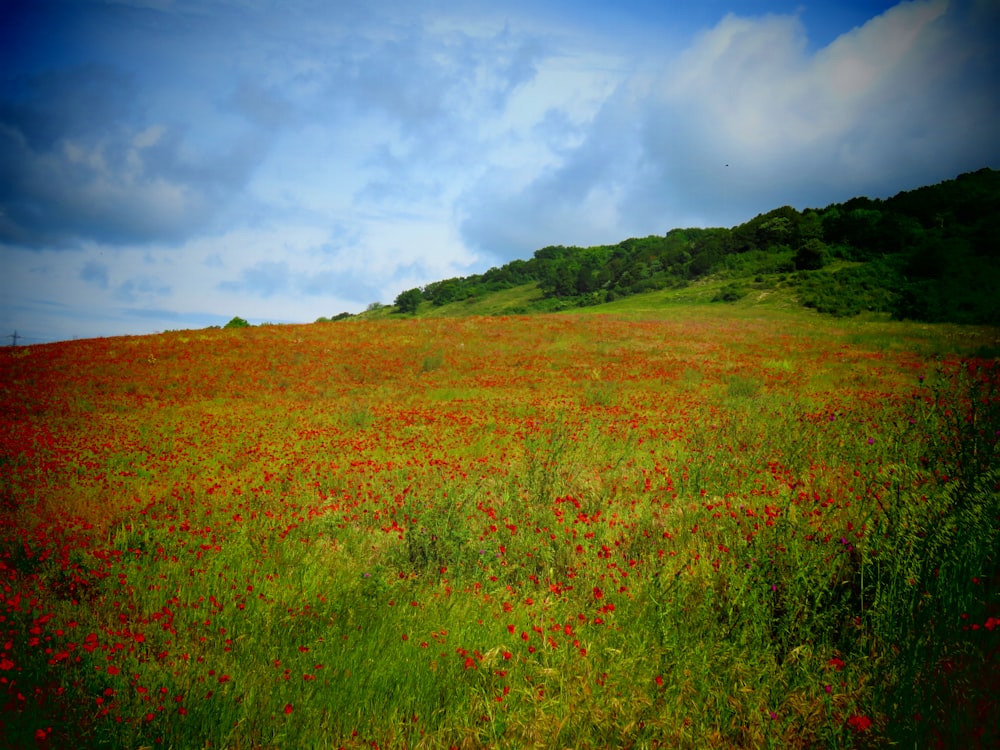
859	723
837	664
288	709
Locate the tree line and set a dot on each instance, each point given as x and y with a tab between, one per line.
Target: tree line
930	254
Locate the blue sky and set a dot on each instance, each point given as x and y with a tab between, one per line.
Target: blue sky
170	164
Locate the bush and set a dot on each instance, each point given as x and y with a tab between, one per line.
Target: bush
811	256
408	301
730	293
237	323
338	316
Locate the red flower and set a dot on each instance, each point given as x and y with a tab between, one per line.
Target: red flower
859	723
288	708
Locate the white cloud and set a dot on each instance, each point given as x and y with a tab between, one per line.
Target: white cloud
894	104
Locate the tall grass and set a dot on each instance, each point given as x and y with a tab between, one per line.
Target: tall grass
753	557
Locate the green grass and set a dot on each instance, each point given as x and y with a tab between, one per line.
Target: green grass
712	526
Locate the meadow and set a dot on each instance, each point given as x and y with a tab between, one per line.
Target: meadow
678	530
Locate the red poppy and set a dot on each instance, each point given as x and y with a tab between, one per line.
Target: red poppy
859	723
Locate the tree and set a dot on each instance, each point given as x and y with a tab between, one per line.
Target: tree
811	255
408	301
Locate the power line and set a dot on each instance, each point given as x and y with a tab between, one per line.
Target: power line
14	337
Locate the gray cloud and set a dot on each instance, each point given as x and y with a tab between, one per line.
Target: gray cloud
77	102
69	172
141	288
268	279
430	92
576	201
263	279
345	284
422	78
95	273
905	100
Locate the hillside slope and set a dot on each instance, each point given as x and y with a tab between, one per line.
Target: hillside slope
930	254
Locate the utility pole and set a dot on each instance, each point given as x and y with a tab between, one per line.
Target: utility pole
14	337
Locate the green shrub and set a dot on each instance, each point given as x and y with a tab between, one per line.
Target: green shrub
730	293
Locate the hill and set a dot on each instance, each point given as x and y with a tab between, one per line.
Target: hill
930	254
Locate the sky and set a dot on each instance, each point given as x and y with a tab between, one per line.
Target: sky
171	164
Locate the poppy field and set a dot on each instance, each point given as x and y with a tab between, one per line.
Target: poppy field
558	531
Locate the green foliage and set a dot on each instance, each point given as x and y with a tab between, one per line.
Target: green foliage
930	254
408	301
730	293
926	570
432	362
338	316
850	290
811	255
237	323
436	539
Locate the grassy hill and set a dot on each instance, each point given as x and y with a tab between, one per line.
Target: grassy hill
931	254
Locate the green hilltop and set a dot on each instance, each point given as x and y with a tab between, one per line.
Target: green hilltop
930	254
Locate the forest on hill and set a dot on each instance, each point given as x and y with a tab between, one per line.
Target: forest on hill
930	254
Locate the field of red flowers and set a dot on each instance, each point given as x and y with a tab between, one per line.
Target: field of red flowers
555	531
